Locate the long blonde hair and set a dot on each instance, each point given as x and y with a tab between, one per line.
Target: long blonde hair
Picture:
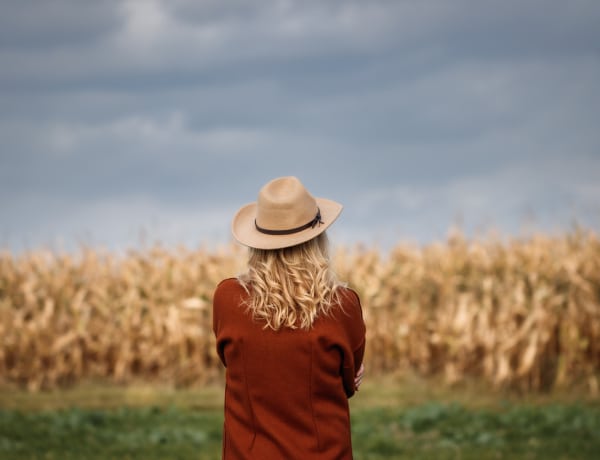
291	287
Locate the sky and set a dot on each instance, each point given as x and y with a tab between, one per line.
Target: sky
128	122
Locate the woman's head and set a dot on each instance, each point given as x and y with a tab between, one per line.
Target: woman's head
292	286
289	277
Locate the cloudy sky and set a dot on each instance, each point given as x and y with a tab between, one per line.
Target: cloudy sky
129	120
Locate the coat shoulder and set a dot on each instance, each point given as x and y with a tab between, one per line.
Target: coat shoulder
229	285
351	315
228	291
349	299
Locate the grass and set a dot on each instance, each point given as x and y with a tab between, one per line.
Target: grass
442	431
126	433
391	419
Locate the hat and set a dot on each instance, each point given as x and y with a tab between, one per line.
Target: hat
284	215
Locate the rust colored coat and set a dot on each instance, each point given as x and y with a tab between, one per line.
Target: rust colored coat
286	394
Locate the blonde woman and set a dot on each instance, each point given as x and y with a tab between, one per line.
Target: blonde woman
291	337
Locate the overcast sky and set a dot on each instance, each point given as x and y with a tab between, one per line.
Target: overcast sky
161	118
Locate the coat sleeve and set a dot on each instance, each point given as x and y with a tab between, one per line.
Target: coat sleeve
221	298
356	334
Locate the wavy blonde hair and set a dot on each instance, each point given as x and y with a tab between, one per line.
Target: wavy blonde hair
291	287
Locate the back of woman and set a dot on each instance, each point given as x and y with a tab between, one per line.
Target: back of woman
290	335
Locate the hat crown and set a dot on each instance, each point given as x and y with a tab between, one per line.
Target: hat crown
284	203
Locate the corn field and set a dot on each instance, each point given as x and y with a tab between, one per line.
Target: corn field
521	313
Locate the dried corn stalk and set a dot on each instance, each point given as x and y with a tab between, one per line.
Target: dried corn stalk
515	313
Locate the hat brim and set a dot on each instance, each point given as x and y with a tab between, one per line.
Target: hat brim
245	232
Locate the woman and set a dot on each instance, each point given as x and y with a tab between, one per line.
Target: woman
290	335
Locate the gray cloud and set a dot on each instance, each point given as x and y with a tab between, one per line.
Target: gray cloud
116	116
33	25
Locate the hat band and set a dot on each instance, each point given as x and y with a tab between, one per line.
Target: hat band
311	224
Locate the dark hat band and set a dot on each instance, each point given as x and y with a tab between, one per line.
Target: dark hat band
311	224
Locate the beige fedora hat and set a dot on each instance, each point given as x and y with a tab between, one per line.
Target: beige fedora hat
284	215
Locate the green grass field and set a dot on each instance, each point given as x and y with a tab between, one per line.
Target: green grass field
390	420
